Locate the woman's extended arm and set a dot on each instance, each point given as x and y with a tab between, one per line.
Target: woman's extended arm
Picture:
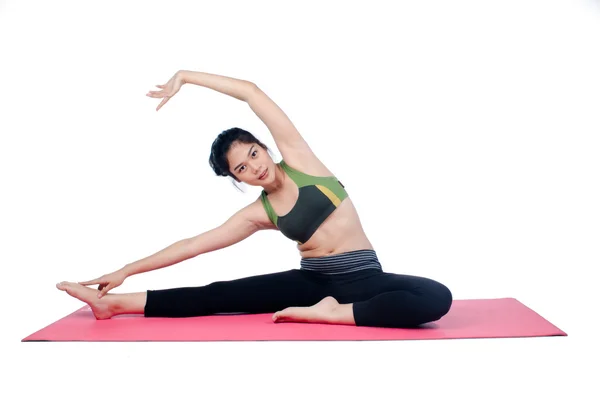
284	132
236	88
287	138
174	253
239	226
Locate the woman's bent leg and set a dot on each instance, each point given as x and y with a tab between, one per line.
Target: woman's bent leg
396	300
266	293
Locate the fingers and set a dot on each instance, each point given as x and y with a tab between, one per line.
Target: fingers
156	94
160	94
104	290
160	105
91	282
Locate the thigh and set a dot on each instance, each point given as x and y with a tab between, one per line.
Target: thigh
255	294
397	300
267	292
381	282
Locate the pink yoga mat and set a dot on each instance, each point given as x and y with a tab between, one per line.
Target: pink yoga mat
471	318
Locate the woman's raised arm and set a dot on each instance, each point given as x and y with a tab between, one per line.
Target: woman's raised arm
289	141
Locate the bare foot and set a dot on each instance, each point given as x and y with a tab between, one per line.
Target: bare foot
326	311
102	308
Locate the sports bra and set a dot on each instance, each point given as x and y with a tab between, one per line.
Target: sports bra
318	197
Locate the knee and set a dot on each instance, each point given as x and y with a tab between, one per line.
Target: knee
443	301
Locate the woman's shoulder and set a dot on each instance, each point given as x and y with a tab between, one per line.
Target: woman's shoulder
305	163
258	214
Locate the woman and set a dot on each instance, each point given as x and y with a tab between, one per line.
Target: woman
340	280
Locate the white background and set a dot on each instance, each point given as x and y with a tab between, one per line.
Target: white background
466	133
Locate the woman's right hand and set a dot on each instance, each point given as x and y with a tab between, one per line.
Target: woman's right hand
168	89
107	282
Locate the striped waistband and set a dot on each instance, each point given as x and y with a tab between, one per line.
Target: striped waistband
342	263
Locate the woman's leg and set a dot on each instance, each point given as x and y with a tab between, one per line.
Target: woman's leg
265	293
362	298
108	306
396	300
256	294
376	299
327	311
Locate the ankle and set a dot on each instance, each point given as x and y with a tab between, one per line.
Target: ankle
342	313
111	301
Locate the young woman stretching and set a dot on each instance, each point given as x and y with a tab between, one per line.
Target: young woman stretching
339	280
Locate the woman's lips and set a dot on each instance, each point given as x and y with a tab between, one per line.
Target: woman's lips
264	174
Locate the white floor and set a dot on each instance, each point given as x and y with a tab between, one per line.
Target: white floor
516	367
465	131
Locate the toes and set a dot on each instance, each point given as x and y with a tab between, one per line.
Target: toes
280	315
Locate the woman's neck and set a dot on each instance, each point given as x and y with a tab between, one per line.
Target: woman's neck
278	182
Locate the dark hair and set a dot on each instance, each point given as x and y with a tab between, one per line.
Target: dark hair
221	145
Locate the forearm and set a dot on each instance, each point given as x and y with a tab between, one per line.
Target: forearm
236	88
171	255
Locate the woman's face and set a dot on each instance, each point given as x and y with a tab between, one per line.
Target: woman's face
248	161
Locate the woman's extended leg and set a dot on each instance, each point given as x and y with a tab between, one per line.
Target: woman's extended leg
110	305
363	298
255	294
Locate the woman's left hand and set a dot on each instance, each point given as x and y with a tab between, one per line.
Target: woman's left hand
167	90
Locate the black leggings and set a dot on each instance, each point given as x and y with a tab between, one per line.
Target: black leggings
379	299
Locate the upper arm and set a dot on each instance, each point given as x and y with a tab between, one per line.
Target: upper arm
238	227
294	149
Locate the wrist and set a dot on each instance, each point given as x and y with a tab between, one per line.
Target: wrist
183	76
125	271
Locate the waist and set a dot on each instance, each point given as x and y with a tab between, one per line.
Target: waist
345	262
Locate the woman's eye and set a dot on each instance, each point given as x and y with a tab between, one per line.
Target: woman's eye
256	151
